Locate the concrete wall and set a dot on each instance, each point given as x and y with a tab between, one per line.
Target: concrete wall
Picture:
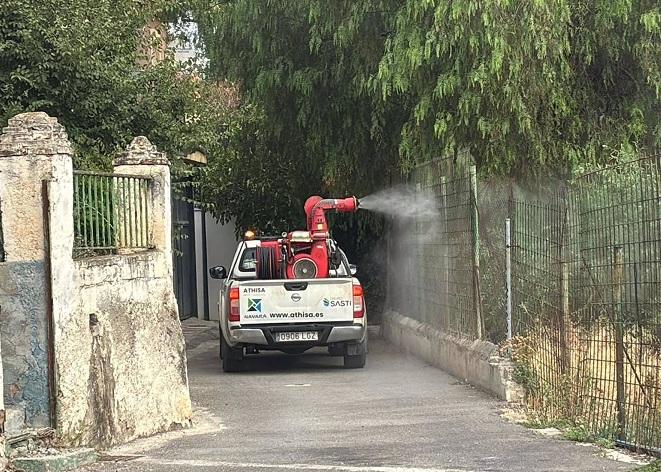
23	331
475	362
118	351
31	147
221	246
125	325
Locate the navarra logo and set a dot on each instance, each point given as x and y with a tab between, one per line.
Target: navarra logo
255	304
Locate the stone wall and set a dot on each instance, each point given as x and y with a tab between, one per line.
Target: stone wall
126	324
118	357
30	147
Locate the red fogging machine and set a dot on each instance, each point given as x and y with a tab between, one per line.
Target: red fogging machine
304	254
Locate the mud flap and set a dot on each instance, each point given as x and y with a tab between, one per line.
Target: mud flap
355	349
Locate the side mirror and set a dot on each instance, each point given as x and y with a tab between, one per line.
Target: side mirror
353	269
218	272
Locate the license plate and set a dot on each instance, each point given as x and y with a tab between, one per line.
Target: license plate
296	336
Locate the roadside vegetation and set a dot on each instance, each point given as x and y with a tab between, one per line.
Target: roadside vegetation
341	97
653	467
353	94
86	63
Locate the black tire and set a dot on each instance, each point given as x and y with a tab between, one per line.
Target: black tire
356	361
220	351
232	357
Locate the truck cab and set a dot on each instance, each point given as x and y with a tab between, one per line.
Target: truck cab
290	315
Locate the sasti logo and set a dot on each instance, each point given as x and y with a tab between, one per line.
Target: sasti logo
255	304
328	303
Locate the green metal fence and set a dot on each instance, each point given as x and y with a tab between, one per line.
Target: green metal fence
111	212
432	257
587	302
586	287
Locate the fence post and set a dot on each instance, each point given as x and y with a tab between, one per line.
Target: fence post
564	314
444	230
618	279
564	285
475	233
36	188
508	274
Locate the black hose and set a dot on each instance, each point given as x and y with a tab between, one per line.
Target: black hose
266	263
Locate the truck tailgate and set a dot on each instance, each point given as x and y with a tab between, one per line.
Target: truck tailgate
295	301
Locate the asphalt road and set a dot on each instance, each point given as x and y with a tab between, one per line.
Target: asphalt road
307	413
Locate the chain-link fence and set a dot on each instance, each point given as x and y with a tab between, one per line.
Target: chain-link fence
615	285
587	301
431	257
586	286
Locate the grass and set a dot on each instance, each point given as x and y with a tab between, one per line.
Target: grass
605	443
578	433
585	392
651	467
571	431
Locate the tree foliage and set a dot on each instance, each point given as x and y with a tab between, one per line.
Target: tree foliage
307	66
247	182
76	60
526	86
351	89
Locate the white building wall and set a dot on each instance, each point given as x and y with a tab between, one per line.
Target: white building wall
221	245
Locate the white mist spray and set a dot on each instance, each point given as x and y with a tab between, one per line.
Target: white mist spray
411	247
403	202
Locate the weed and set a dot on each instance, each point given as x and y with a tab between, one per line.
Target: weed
578	433
605	443
651	467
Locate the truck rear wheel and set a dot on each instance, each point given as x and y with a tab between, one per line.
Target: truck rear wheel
220	351
355	355
232	357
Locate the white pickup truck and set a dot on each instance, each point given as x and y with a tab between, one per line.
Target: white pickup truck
289	315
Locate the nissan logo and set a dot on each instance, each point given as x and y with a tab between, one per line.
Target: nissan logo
296	297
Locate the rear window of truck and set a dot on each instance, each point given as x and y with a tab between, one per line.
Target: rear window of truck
248	261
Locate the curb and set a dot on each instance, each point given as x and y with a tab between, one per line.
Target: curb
473	361
56	463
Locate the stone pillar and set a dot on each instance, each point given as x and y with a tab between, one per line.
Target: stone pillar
36	187
33	147
141	158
